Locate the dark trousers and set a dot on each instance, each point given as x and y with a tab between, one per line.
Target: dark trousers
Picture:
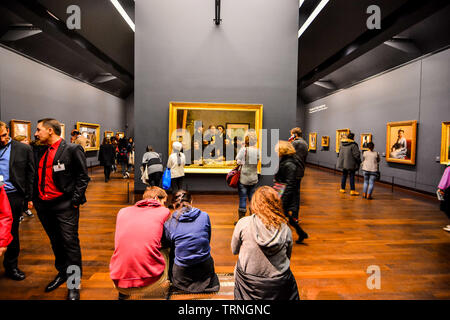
154	179
245	191
107	171
16	201
345	173
177	184
60	221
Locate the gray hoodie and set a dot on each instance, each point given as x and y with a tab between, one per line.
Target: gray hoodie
262	252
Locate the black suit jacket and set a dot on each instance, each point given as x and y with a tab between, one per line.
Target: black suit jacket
21	168
74	180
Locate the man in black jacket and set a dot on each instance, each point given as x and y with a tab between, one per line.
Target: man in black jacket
301	149
17	173
61	183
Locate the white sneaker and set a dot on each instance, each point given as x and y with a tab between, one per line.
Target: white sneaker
447	228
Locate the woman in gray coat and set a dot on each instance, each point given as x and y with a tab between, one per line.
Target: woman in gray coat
349	161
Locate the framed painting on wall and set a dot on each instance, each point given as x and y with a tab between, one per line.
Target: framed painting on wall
445	143
325	141
341	134
91	132
120	134
313	141
401	142
20	128
213	133
63	130
365	139
109	134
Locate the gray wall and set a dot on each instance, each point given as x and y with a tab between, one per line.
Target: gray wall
182	56
31	91
417	91
130	115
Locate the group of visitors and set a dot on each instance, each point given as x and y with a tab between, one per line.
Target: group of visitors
116	151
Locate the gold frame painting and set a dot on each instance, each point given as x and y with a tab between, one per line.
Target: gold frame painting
20	128
325	141
339	135
108	134
312	142
236	119
121	134
365	141
403	148
87	130
445	143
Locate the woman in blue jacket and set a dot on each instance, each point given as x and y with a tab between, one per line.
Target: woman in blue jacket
189	233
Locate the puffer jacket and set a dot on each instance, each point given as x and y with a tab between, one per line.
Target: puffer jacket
289	173
349	156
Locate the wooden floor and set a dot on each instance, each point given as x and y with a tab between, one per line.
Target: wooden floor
399	232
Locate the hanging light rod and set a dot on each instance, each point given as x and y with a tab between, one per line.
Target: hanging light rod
217	19
123	14
313	15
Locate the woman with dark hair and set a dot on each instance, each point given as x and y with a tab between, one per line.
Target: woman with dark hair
107	157
264	244
189	233
400	148
153	161
122	157
370	169
444	191
349	160
289	177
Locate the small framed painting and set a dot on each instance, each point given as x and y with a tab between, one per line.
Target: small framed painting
120	134
313	141
91	132
340	135
445	143
365	139
401	142
109	134
325	141
20	128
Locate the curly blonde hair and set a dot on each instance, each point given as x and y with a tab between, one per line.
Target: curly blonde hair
285	148
267	206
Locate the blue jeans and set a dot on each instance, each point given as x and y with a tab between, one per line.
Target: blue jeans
351	173
369	181
245	192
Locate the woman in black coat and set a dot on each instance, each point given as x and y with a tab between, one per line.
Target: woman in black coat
289	176
107	157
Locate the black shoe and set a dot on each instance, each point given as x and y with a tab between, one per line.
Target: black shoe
123	296
58	281
73	294
29	213
15	274
302	237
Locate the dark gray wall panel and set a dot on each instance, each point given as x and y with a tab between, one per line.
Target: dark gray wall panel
417	91
182	56
31	91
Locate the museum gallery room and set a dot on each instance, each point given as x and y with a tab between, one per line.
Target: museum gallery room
224	150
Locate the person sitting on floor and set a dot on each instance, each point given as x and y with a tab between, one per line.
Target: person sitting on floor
138	267
189	233
264	244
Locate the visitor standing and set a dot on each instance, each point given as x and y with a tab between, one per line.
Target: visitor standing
349	160
370	169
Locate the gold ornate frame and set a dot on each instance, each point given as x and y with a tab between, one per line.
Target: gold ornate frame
15	122
175	107
121	134
108	134
338	139
445	143
413	125
327	143
312	146
362	140
97	133
63	130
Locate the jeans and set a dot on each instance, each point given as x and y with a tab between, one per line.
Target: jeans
124	166
346	172
245	192
369	181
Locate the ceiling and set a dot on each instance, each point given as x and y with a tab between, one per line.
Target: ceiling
37	29
337	51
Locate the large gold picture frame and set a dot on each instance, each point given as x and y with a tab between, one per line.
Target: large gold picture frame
313	141
401	142
230	121
20	128
91	131
340	134
445	143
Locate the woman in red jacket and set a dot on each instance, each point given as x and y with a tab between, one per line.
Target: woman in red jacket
5	221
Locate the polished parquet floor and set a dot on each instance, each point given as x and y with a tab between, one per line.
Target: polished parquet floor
398	231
